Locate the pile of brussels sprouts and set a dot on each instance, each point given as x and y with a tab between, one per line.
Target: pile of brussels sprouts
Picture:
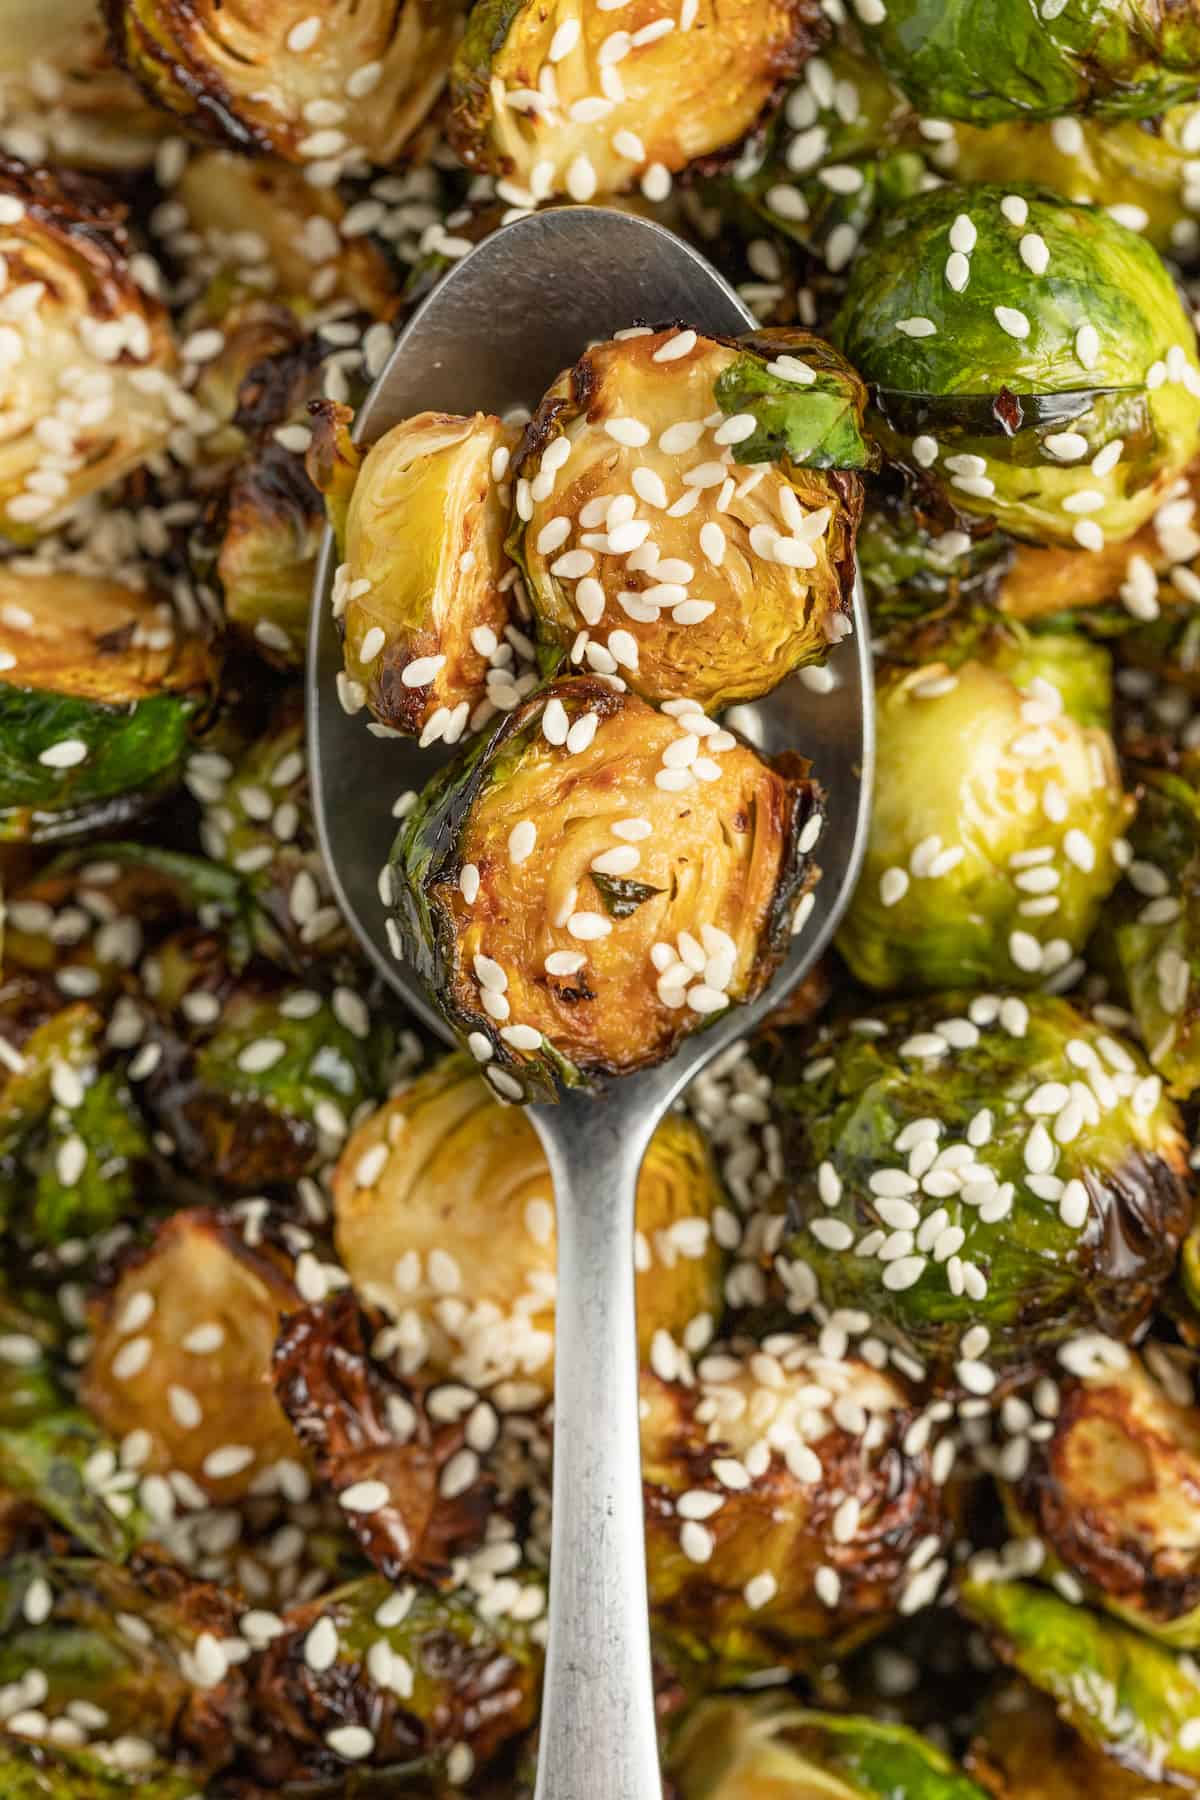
918	1271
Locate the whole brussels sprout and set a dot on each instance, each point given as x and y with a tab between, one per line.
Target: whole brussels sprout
405	1197
99	694
785	1520
87	354
1022	1750
1030	356
594	879
337	89
423	592
737	1748
996	1172
1123	1693
569	100
1112	1493
1004	59
686	510
996	829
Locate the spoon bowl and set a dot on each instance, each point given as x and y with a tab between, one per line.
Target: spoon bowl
493	335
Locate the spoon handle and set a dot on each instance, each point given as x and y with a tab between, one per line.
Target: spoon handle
597	1735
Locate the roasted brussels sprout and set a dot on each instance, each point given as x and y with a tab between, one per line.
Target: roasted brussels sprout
61	98
568	100
1123	1693
1002	59
732	576
40	1771
594	956
1030	356
99	690
408	1222
784	1520
1023	1751
998	813
986	1177
1153	925
913	569
87	353
285	79
181	1350
424	589
446	1692
1112	1494
736	1748
49	1462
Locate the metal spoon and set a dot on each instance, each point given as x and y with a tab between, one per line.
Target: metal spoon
504	322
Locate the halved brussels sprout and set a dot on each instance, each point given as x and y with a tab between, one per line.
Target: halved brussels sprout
1022	1750
1003	59
998	813
1123	1693
451	1687
99	690
268	524
565	99
785	1522
337	89
181	1350
595	879
61	98
1030	356
405	1194
257	1080
1114	1494
1153	924
87	354
737	1748
423	592
999	1171
651	550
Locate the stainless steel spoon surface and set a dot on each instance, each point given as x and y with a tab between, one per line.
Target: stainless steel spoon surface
495	333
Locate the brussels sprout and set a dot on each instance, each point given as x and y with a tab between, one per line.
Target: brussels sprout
441	1138
1023	1751
674	417
449	1686
181	1350
49	1772
1002	59
49	1460
562	100
913	569
784	1520
87	354
1123	1693
1003	1171
560	964
998	815
131	1641
61	98
256	1080
1030	355
98	694
1112	1494
424	591
261	77
735	1748
1153	925
267	527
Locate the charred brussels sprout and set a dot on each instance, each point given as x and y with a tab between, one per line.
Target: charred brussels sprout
912	567
738	1748
181	1350
424	588
1002	59
1029	356
435	1143
1003	1168
446	1677
256	75
655	535
98	694
998	814
1022	1750
1123	1693
565	99
49	1772
593	880
61	98
52	1462
782	1510
1113	1494
87	354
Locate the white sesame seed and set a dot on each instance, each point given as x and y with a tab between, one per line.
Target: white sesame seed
364	1497
352	1742
1011	320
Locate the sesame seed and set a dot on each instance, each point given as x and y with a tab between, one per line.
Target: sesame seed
68	753
1011	320
364	1497
352	1742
